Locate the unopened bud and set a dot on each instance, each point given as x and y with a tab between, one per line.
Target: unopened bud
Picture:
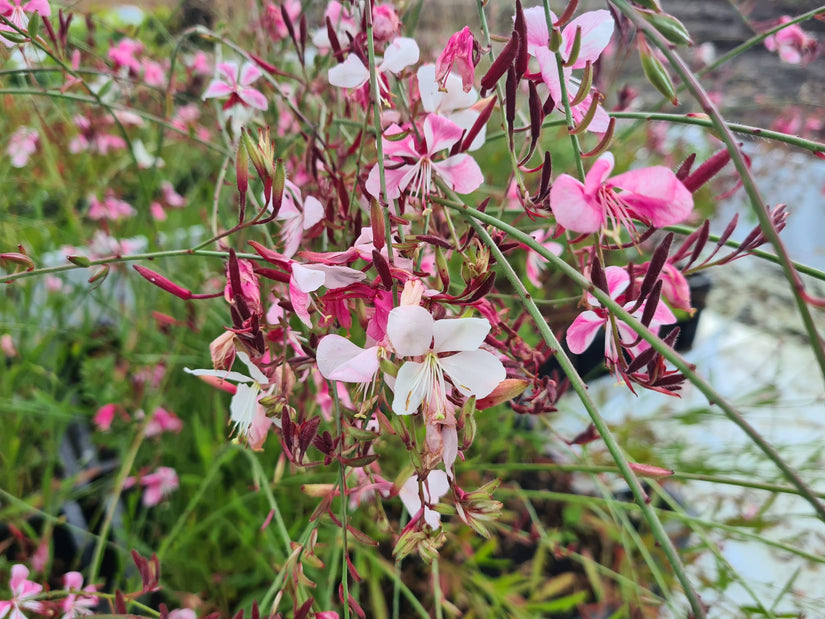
17	258
669	27
655	72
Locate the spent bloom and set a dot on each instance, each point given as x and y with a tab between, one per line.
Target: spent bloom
22	590
413	332
457	58
583	331
236	83
411	163
652	195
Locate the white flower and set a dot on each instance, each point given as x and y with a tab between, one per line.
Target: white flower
414	333
435	486
244	405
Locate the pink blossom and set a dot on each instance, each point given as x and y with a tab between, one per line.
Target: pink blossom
158	485
457	57
339	359
16	14
450	100
583	331
435	486
76	604
183	613
273	20
199	63
652	195
162	421
170	196
110	208
597	29
157	211
104	417
124	54
411	164
342	22
22	145
298	216
7	346
22	590
385	22
153	73
792	43
236	84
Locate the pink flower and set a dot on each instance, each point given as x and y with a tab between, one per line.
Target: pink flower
457	57
153	73
110	208
652	195
385	22
163	421
104	417
435	486
273	20
450	100
597	28
22	145
587	324
22	589
298	216
794	45
76	604
307	278
414	333
412	164
16	14
236	84
124	54
158	485
342	22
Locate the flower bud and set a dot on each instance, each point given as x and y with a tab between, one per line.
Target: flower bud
669	27
655	72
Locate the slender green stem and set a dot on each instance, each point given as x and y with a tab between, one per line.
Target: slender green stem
439	610
342	491
263	482
114	498
666	351
757	203
580	388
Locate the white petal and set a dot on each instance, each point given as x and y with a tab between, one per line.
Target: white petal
340	359
236	376
313	212
410	329
307	279
258	376
243	407
454	334
338	276
476	373
411	385
349	74
400	54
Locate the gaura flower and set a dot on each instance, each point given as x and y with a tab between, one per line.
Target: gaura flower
353	73
22	145
298	215
792	43
16	14
411	164
236	84
156	485
652	195
77	604
597	28
450	101
587	324
243	407
22	589
435	486
413	332
339	359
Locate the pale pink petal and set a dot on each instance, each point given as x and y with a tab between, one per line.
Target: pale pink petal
397	179
400	54
675	287
474	372
405	147
410	329
40	6
440	133
349	74
461	172
307	279
435	100
598	173
340	359
583	331
254	98
573	208
313	212
249	73
655	194
537	34
550	74
456	334
617	281
337	276
223	374
412	385
300	303
449	441
597	28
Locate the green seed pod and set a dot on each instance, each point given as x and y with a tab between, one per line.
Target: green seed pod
655	72
670	27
